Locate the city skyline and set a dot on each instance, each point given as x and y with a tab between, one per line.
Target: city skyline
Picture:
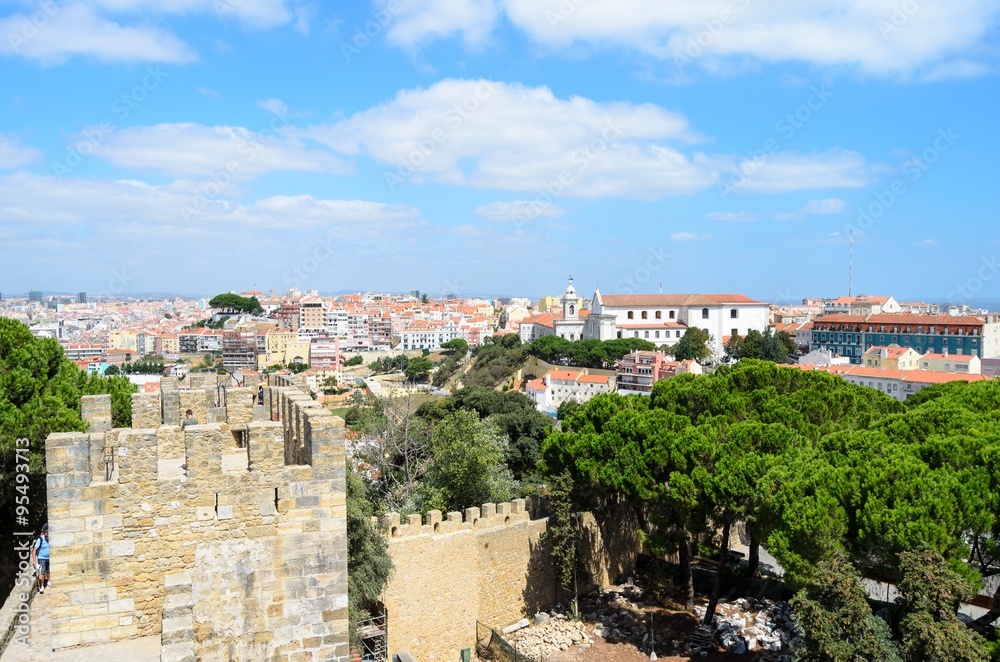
495	146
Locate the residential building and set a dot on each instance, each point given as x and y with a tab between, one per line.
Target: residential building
312	314
560	385
823	357
862	305
548	304
639	371
239	350
945	362
324	353
853	335
82	351
892	357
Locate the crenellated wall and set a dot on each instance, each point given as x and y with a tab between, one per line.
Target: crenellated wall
490	565
228	553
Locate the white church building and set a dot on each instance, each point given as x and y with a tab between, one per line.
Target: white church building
659	318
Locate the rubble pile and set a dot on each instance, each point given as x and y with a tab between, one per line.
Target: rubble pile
620	618
748	625
547	633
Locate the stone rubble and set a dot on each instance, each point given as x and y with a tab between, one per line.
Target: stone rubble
549	633
749	625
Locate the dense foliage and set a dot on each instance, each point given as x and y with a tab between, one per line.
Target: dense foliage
40	394
811	463
524	426
694	345
229	301
368	562
765	346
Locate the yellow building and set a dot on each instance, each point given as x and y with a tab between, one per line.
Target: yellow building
276	343
169	344
892	357
123	339
547	304
961	363
296	351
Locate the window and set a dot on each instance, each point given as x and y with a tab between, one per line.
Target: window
647	334
657	334
619	334
704	313
734	313
678	334
631	315
673	314
636	334
659	314
645	315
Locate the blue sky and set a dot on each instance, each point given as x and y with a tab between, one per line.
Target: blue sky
499	146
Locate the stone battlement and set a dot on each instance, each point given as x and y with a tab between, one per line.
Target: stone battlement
227	538
489	516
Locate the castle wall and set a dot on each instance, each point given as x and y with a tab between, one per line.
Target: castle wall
491	567
249	564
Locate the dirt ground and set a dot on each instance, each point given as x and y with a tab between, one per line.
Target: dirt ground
679	625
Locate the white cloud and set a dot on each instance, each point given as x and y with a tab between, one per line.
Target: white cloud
792	171
518	210
879	37
14	155
254	14
732	216
511	137
415	21
193	150
44	200
690	236
74	29
927	243
825	206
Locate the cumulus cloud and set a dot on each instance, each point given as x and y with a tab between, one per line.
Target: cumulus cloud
415	21
192	150
14	155
794	171
53	36
27	198
508	136
880	37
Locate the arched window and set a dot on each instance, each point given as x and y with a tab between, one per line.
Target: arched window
631	315
572	309
657	334
659	314
704	313
645	315
647	334
673	314
636	334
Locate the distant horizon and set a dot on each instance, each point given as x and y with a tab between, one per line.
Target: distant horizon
977	303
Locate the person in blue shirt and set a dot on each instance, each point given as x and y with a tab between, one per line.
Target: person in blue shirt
40	558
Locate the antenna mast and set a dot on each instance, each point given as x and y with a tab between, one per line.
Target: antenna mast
850	286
